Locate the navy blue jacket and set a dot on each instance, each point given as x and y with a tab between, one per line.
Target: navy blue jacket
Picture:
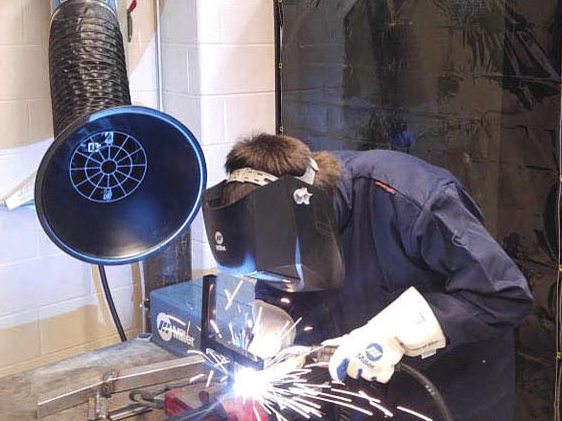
404	222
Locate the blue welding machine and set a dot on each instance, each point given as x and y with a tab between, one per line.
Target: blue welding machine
176	312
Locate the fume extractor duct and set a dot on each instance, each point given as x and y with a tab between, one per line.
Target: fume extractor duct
119	182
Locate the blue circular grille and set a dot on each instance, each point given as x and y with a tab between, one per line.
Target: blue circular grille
108	166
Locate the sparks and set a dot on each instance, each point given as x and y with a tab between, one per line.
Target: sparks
257	321
195	378
230	297
282	385
250	383
293	326
414	413
209	378
360	394
256	413
215	326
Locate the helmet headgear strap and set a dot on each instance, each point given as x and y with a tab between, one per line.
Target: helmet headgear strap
261	178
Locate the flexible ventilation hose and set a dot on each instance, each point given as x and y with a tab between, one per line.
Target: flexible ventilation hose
88	73
87	65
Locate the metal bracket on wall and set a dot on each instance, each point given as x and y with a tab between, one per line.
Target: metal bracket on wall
278	30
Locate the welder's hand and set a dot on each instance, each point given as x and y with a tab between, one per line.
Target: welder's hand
407	326
363	353
272	329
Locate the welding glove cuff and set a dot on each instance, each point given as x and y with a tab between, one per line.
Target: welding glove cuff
273	329
406	326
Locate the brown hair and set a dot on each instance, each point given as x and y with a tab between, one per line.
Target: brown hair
278	155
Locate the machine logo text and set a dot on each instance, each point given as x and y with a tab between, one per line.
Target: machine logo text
171	327
374	352
219	239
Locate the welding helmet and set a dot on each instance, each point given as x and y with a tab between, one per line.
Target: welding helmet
283	232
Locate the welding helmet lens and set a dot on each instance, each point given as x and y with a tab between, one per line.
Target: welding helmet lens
283	233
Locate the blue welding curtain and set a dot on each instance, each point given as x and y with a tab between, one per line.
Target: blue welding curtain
470	85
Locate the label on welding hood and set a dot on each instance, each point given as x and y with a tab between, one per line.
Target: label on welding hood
171	327
219	239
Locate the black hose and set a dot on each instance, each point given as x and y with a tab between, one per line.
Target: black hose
111	304
431	389
87	66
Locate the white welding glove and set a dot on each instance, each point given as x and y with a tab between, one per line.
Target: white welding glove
407	326
273	329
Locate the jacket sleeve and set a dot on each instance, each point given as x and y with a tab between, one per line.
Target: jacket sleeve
483	290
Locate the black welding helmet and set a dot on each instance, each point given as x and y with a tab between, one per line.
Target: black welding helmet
283	232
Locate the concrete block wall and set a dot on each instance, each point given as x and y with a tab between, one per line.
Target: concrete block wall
51	305
218	65
218	79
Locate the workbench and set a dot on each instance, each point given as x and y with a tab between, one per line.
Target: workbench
19	393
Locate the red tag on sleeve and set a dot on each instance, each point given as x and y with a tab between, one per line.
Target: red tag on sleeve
386	188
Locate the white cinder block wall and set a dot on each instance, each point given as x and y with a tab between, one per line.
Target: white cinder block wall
219	80
51	305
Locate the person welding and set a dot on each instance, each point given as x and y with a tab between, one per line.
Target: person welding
383	255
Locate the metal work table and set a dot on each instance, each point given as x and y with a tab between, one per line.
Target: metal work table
19	393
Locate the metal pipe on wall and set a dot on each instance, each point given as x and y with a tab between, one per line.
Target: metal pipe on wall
172	265
158	41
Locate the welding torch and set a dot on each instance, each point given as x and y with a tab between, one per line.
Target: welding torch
322	354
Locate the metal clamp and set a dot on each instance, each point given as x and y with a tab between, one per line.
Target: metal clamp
108	385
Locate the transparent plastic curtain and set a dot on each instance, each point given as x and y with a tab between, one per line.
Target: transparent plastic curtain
470	85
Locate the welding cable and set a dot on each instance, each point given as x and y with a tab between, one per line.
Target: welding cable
430	387
558	307
111	304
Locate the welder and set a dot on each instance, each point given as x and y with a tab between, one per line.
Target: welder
383	255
